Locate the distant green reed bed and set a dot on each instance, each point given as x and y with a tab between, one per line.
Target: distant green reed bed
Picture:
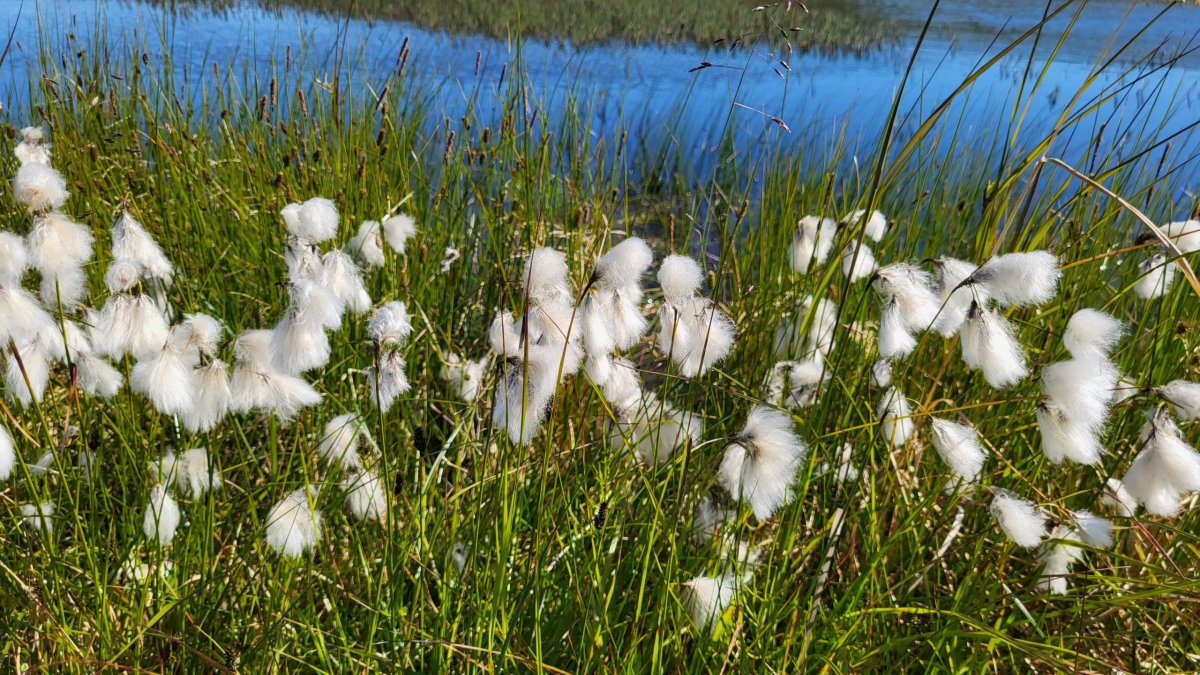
830	25
575	552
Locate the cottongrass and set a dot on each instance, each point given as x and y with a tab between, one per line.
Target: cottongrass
162	516
191	472
693	331
812	243
39	517
760	465
365	498
1021	520
958	446
294	524
341	439
707	598
8	454
1165	471
1183	396
896	422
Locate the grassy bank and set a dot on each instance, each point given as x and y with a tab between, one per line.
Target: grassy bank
572	552
826	25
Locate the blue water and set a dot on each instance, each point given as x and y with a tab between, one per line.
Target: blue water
650	91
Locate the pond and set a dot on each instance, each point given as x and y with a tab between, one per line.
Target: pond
663	94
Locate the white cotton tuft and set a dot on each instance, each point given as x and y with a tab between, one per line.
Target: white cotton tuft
256	385
167	380
523	396
610	315
316	304
162	516
619	381
190	472
131	242
760	464
213	397
313	221
397	230
342	277
1092	334
1021	520
910	289
988	344
386	381
1157	276
1165	471
874	224
812	243
294	524
23	316
794	384
958	446
367	245
129	325
820	319
1019	279
709	517
389	324
1063	438
121	276
1117	498
1094	530
65	288
1183	396
955	298
465	376
14	259
27	386
881	373
39	517
32	152
297	344
303	261
894	340
895	418
365	498
695	333
1082	388
8	454
58	244
340	441
858	262
197	335
707	598
624	264
1185	234
505	336
1056	559
97	377
39	187
679	277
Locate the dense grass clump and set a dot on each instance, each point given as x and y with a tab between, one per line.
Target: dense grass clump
568	554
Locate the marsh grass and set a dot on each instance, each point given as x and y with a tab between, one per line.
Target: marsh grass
550	584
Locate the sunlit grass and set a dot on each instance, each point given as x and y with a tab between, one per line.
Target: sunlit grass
548	583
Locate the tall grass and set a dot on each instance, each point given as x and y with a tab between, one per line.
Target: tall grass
550	583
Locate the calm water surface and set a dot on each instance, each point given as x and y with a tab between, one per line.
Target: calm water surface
649	89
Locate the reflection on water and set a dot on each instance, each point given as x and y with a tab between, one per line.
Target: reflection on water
651	89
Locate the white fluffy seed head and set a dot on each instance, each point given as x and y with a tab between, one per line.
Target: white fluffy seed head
1092	334
162	516
340	441
213	396
1157	275
343	278
397	230
1117	498
958	446
545	276
39	517
895	418
1183	396
679	277
313	221
390	325
955	299
367	245
1094	530
58	244
121	276
988	344
1021	520
812	243
1082	388
624	264
8	454
874	224
760	465
695	333
131	242
39	187
1063	438
294	523
14	259
707	598
1020	279
858	261
365	498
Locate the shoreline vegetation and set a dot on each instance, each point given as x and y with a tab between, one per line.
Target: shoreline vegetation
834	26
848	480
